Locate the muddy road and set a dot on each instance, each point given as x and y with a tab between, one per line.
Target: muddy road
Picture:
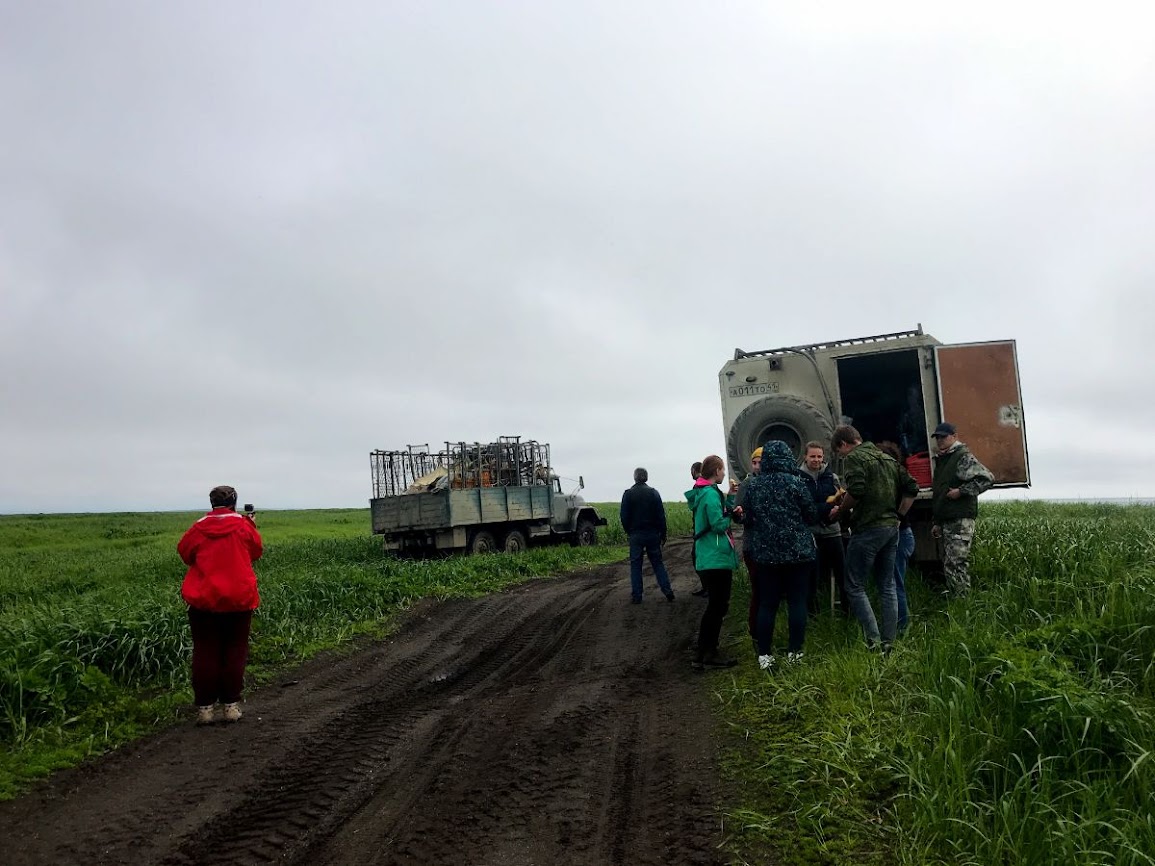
554	723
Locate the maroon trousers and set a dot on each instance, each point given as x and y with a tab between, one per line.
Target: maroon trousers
220	650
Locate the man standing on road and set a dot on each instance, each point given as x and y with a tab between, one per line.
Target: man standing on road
959	479
878	492
643	516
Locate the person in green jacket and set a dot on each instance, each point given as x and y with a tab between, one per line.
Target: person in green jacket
878	493
714	557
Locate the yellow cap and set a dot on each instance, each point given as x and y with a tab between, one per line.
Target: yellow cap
757	454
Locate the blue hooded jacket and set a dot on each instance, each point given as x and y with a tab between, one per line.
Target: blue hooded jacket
779	510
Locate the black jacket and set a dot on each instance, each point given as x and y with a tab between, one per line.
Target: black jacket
643	510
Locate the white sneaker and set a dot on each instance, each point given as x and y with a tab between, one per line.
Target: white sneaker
205	715
794	657
233	712
766	662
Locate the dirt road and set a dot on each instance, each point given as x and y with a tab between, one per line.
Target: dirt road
551	724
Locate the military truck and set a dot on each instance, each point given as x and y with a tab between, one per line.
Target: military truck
895	387
479	498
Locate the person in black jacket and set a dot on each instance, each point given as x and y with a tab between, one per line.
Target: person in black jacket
643	517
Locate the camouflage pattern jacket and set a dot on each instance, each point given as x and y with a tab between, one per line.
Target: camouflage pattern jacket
960	469
877	483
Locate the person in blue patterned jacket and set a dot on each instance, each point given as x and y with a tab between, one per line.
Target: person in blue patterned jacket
778	511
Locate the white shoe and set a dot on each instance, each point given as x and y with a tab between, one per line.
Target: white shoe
766	662
233	712
794	657
205	715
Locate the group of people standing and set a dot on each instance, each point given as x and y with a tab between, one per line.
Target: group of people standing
803	526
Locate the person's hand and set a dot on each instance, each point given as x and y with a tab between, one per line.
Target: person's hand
936	531
738	512
834	513
953	493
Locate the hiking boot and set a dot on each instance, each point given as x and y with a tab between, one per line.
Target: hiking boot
670	595
715	659
635	599
205	715
792	658
701	593
233	712
766	662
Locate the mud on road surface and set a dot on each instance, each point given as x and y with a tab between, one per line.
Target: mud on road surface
553	723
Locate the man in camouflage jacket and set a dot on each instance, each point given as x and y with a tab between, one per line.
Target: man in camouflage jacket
959	479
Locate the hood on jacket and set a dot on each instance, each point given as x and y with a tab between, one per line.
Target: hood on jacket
220	522
694	494
777	457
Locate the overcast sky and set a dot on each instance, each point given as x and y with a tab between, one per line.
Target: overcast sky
248	243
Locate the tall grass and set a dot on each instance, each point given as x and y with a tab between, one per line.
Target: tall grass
1012	727
94	644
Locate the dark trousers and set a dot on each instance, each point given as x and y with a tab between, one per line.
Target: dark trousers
647	542
694	562
752	613
831	563
719	582
775	582
220	650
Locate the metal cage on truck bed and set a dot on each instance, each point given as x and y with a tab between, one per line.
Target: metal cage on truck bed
508	462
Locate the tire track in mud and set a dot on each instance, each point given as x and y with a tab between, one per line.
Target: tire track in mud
551	723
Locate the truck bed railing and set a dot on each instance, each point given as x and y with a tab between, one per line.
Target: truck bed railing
739	354
508	462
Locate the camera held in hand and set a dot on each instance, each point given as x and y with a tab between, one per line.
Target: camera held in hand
249	512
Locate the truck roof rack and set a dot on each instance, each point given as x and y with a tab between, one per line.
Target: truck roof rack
739	354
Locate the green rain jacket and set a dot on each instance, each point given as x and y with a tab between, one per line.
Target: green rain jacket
713	548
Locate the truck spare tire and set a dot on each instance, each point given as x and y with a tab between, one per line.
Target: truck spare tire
786	419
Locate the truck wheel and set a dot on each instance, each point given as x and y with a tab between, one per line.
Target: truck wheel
586	534
787	419
514	541
482	542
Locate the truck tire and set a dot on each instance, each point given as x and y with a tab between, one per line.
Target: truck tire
514	541
586	534
482	542
787	419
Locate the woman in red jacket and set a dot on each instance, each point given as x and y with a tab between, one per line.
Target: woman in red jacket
220	589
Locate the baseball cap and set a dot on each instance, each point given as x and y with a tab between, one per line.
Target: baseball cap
944	429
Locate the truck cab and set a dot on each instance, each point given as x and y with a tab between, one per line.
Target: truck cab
894	387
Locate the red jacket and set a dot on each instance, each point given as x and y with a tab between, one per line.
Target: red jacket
220	549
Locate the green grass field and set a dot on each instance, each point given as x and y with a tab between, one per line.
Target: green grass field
1013	727
94	643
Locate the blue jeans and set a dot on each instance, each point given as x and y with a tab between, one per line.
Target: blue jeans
648	542
791	581
872	552
901	558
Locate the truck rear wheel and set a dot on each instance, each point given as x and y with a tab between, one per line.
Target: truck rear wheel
783	418
586	534
514	541
482	542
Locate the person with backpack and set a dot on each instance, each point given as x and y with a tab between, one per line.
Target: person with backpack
714	558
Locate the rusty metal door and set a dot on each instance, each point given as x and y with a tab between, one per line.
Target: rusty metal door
978	392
